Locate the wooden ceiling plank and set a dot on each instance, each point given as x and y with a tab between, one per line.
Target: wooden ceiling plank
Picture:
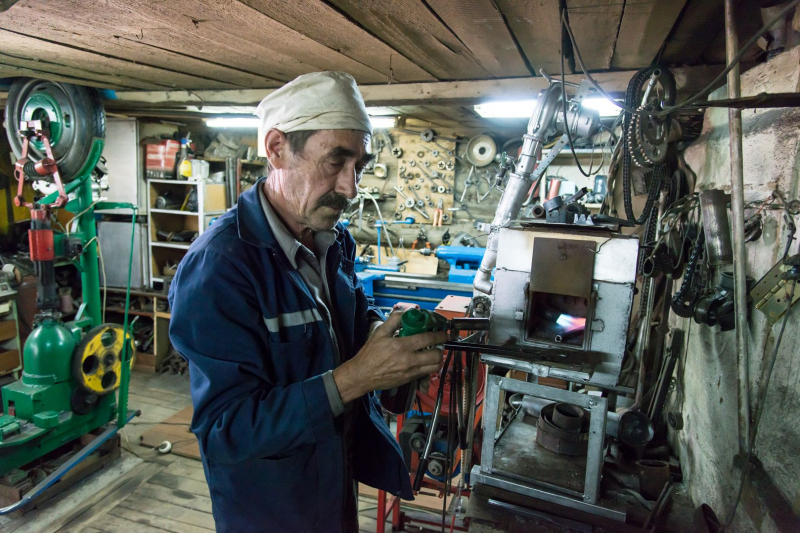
701	21
35	49
481	27
33	18
47	67
8	71
595	24
688	80
78	33
409	27
239	27
426	114
536	26
645	25
157	25
320	22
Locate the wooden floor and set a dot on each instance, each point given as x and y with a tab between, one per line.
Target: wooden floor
143	491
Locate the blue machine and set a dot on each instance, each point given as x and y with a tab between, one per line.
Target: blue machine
425	292
368	279
464	262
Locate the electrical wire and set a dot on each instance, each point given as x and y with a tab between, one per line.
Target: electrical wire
669	109
77	217
566	121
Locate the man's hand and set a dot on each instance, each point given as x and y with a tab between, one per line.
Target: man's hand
386	362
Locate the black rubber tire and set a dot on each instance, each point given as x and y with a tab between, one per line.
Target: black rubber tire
88	121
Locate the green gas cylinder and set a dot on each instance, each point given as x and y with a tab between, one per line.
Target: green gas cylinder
413	322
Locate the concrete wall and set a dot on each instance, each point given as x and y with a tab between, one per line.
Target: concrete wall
707	378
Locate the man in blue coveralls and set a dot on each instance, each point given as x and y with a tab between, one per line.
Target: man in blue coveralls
284	346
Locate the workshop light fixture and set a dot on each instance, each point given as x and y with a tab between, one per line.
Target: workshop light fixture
524	108
506	109
603	105
381	123
234	122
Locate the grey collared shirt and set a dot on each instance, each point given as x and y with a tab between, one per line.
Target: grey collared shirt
311	265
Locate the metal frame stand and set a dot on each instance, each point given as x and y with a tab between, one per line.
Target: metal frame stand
399	518
598	409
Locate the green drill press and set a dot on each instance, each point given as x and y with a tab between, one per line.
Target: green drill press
71	369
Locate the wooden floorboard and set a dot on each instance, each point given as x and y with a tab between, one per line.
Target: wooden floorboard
94	514
167	524
152	492
176	497
169	511
187	468
114	524
198	488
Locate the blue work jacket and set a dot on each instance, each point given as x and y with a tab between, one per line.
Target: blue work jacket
273	453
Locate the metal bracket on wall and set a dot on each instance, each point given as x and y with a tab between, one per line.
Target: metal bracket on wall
769	294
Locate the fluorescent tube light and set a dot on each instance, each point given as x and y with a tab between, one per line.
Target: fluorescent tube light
601	104
506	109
234	122
381	123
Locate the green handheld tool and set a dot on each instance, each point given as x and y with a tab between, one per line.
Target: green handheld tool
413	322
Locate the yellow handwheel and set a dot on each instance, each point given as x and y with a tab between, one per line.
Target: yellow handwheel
97	362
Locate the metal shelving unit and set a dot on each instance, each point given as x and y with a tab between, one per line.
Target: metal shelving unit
211	202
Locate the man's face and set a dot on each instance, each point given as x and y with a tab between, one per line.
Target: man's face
319	182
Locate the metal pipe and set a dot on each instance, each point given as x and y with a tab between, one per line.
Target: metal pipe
540	127
737	212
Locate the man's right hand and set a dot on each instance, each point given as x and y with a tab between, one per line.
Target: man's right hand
386	361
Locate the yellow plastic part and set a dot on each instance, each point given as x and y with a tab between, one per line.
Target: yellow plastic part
99	359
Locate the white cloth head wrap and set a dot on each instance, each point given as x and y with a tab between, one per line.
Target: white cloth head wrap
316	101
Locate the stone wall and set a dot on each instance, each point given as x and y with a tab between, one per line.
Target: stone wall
707	377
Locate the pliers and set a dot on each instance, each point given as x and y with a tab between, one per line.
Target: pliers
437	215
423	237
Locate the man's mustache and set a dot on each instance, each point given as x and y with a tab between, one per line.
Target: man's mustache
335	201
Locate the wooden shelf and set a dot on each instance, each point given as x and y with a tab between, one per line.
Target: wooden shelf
162	314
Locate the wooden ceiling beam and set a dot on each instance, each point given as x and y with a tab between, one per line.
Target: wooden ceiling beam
76	32
17	49
481	27
688	79
700	22
412	29
324	24
595	24
33	20
222	33
536	27
8	71
645	25
240	28
46	69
